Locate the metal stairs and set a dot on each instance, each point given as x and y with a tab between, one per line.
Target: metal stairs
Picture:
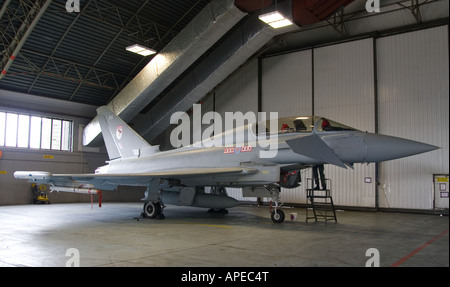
320	202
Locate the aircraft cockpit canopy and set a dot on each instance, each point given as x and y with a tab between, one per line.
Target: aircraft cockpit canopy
302	125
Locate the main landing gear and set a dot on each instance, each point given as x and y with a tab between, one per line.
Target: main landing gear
218	190
153	206
153	210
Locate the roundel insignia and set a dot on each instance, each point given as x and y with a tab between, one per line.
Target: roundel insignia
119	132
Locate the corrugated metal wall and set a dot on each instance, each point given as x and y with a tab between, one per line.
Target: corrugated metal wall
240	93
344	91
287	84
287	89
336	82
339	82
413	75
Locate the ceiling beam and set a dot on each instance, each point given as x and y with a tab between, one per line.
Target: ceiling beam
69	71
55	49
4	7
33	17
171	31
92	69
113	16
197	37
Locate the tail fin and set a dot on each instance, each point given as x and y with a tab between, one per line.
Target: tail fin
121	141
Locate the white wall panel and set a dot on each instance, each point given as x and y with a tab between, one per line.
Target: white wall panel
413	82
287	84
287	89
344	91
240	91
344	83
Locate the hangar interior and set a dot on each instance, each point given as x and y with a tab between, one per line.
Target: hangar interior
372	71
380	71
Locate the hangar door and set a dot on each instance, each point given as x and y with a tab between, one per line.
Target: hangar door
413	101
441	191
337	82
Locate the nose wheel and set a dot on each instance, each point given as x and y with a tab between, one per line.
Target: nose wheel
277	215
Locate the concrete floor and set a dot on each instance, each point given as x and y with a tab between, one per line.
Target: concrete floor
54	235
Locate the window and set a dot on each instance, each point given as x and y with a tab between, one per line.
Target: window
35	132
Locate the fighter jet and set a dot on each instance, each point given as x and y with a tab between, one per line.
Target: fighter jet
197	175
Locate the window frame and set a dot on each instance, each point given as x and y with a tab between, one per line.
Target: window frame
64	132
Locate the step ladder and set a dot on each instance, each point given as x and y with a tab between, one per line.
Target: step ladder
321	203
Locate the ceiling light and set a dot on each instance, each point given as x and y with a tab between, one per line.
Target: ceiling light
281	23
275	19
141	50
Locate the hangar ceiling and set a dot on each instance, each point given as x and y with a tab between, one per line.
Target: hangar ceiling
81	57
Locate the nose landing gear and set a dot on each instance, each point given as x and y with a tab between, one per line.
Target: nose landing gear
277	215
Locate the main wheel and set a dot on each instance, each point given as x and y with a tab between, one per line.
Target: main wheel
277	216
152	209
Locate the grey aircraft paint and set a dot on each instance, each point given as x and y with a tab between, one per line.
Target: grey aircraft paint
179	176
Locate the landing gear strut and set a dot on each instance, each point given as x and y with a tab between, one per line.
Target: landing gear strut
153	210
277	215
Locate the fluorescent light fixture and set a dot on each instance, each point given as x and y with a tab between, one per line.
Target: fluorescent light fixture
141	50
281	23
275	19
271	17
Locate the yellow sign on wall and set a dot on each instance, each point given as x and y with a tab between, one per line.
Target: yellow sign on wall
3	172
441	178
48	156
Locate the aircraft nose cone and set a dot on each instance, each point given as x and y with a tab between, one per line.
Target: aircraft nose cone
382	148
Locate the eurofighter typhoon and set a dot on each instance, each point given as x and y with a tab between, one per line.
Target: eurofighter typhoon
267	156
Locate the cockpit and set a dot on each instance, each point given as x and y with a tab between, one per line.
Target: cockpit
300	125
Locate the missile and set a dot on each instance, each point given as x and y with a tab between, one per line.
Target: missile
75	190
80	190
